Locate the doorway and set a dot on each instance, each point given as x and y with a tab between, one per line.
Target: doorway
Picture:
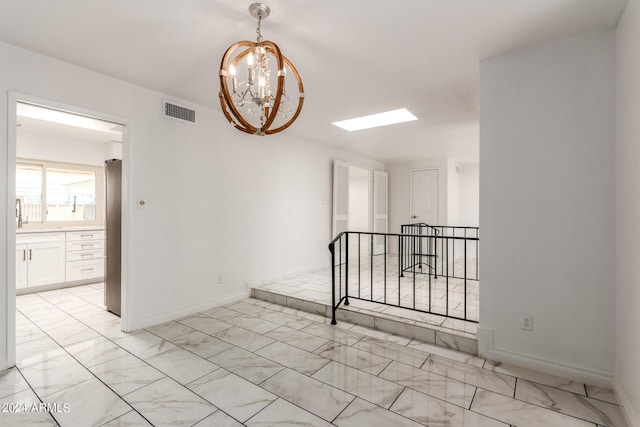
359	204
424	196
57	153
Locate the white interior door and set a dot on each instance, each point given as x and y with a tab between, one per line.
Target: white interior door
424	196
340	197
380	208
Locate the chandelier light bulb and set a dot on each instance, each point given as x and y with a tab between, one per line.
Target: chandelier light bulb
259	105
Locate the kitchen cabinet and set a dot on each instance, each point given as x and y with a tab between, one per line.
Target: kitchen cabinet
40	259
85	255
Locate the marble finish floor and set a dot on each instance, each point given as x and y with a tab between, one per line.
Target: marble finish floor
419	291
256	363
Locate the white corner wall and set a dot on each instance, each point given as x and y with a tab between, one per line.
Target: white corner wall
627	375
218	201
547	207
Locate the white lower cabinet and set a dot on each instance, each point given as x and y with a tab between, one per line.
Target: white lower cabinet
40	259
85	255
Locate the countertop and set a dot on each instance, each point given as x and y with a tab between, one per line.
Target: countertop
58	229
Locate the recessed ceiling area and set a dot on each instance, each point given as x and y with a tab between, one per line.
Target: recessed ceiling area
356	57
53	123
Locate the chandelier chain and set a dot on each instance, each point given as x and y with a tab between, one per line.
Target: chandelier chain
259	38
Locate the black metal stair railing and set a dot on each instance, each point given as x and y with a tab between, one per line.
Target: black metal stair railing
430	269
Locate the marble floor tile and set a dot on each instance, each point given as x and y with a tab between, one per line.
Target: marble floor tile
170	330
366	386
243	338
361	413
126	374
37	351
521	414
297	338
55	374
435	385
11	382
234	395
72	334
382	335
601	393
284	319
333	334
354	357
218	419
583	407
470	374
536	377
310	394
130	419
205	324
181	365
293	357
201	344
221	313
246	308
91	403
95	351
24	411
448	353
144	344
435	412
167	403
392	351
283	413
254	324
246	364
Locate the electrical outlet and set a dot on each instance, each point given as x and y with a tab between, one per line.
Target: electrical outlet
526	322
220	282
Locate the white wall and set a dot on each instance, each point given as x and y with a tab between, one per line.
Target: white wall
469	194
453	193
547	207
218	201
400	190
627	376
359	203
35	145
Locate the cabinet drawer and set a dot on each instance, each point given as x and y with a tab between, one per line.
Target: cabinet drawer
85	255
85	246
24	238
79	236
79	270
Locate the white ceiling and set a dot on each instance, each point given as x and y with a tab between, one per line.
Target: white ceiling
356	57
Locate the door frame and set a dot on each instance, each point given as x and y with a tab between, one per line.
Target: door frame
10	227
411	171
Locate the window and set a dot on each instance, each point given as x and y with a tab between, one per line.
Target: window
59	194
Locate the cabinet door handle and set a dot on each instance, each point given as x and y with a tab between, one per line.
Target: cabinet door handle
86	245
86	269
86	236
29	254
24	254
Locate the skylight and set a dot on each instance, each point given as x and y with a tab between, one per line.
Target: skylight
376	120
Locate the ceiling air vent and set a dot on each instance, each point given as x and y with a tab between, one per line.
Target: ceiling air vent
174	111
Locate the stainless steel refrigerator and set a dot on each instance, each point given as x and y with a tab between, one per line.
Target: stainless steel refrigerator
113	180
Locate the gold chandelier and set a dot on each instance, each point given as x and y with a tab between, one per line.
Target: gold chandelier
257	104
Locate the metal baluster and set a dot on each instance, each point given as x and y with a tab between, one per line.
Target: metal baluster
346	271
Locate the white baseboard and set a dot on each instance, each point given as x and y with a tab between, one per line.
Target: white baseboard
628	410
487	349
137	324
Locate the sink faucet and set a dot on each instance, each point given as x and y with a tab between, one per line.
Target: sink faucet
19	212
